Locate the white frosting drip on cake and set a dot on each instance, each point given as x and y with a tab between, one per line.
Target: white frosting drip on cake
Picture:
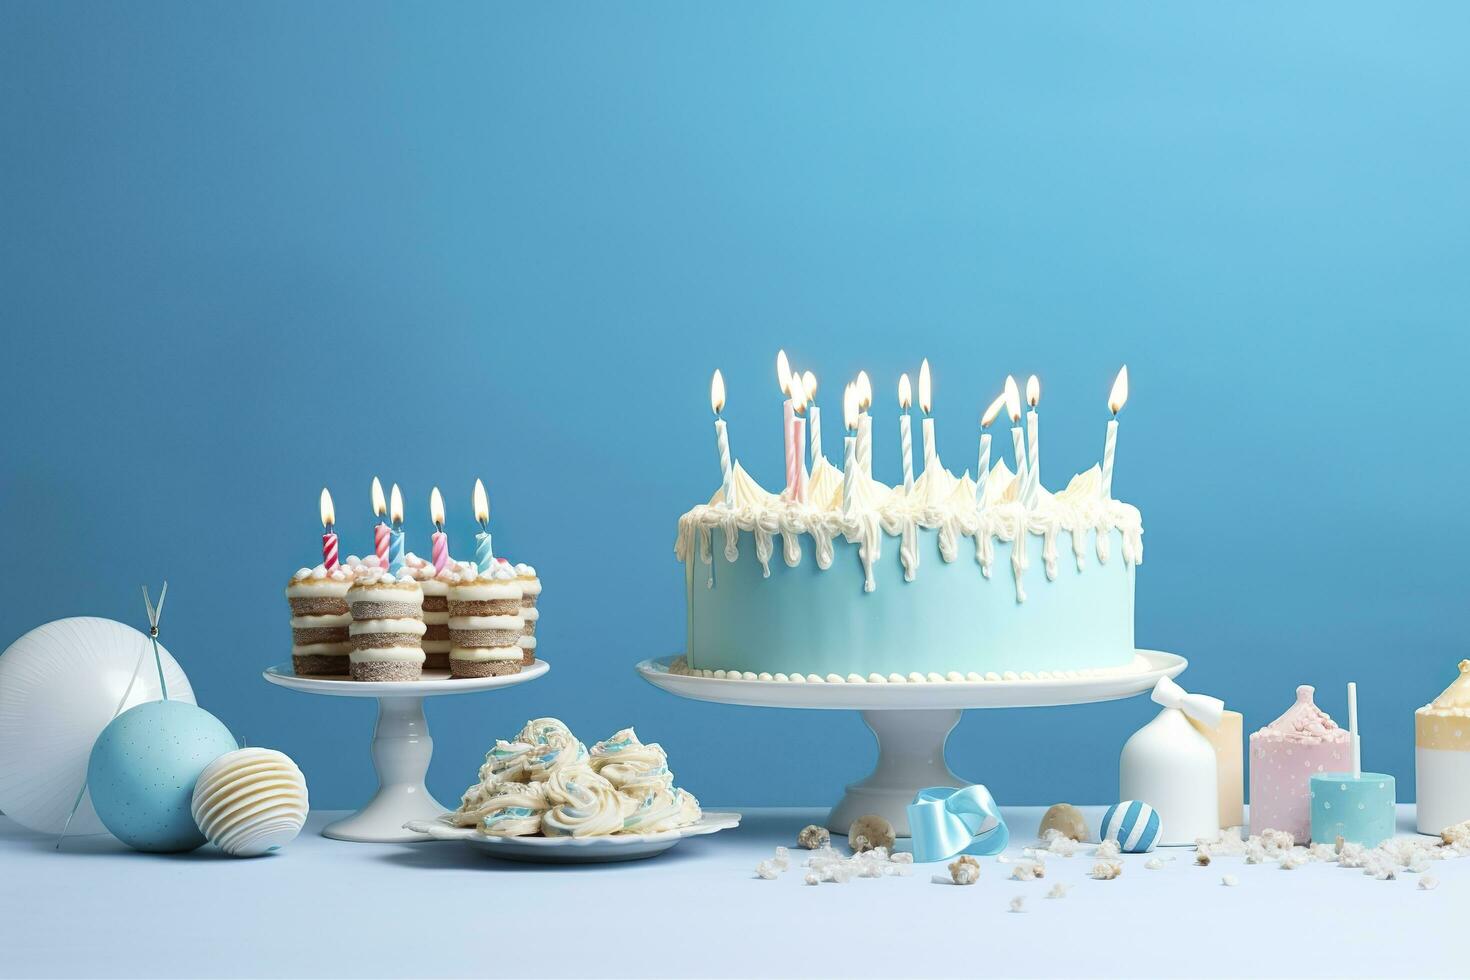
939	501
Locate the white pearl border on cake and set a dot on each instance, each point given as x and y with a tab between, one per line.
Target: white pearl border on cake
1137	665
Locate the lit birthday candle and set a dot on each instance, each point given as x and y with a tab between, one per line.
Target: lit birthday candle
329	538
722	438
484	557
395	542
783	377
1117	398
864	391
849	449
1018	435
380	530
926	405
809	381
982	470
905	431
796	459
438	541
1033	430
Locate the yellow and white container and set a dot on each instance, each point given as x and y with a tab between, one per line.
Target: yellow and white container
1442	756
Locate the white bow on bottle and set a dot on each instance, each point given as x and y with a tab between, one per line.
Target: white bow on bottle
1201	707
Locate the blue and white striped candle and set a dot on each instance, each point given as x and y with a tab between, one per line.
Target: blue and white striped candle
395	533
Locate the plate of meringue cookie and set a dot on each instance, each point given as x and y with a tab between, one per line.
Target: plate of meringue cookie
545	796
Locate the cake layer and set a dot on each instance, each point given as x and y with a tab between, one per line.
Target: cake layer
949	617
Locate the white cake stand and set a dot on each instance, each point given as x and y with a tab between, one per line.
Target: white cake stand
401	744
911	721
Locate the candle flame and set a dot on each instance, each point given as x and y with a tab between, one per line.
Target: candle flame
992	411
864	391
1013	399
396	506
926	388
783	372
379	506
849	408
482	504
905	392
1033	390
1119	395
809	381
329	514
436	508
717	392
798	393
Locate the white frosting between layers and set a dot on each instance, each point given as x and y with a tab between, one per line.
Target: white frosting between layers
484	653
483	591
1138	665
939	501
526	642
341	649
510	624
531	614
385	589
405	655
320	622
407	627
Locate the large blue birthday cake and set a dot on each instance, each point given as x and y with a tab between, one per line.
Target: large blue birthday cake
844	579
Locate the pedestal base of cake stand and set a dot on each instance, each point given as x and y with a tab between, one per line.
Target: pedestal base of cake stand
912	721
402	746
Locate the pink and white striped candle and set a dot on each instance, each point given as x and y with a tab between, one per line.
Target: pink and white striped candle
381	531
329	538
438	541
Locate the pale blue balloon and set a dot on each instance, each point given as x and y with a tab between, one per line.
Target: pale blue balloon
143	769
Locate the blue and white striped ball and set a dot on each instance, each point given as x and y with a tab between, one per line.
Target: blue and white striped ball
1133	824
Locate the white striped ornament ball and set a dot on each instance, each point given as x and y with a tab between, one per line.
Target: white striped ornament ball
251	802
1134	825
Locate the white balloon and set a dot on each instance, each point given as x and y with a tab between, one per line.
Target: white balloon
60	685
250	802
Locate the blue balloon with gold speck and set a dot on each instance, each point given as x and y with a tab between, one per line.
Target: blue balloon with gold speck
143	769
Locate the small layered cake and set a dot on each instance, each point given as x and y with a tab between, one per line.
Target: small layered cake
319	620
436	608
530	590
1442	756
1284	756
485	622
387	627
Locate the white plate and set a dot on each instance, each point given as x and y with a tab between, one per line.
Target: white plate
1152	664
575	850
433	682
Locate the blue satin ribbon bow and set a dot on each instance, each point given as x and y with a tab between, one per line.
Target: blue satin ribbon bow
944	821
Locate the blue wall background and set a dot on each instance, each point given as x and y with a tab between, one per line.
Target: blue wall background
252	249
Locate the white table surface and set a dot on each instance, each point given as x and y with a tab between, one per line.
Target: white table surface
328	908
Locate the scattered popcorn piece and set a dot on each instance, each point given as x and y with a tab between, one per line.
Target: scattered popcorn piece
1029	871
903	857
1154	864
1059	844
868	832
1428	883
1456	835
1018	904
965	871
1058	890
812	878
766	870
1229	881
813	837
1107	870
1294	858
1107	850
1202	858
1351	855
782	860
1322	852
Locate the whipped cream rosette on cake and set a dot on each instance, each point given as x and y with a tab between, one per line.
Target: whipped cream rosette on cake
320	643
387	626
545	781
485	622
